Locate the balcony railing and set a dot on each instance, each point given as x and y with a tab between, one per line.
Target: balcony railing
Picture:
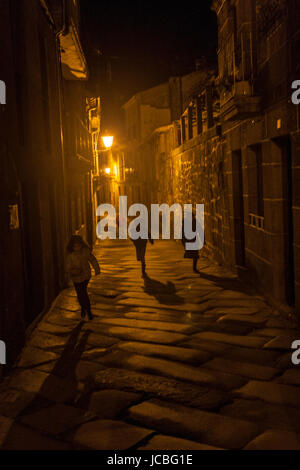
256	221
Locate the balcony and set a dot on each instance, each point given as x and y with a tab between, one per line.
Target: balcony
239	102
80	147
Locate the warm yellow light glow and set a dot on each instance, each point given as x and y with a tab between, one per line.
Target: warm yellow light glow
115	169
107	171
107	141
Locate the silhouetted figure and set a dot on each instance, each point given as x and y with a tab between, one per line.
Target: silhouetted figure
79	257
191	254
140	247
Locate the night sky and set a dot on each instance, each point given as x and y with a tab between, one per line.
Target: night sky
146	41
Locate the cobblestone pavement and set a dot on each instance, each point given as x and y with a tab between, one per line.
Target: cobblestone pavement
175	360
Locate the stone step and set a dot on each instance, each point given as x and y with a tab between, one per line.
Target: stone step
266	415
162	442
245	369
251	320
147	335
271	392
233	311
200	426
57	419
175	370
290	377
275	332
246	341
148	324
21	437
275	440
261	357
180	306
109	435
5	425
188	355
281	342
161	387
108	404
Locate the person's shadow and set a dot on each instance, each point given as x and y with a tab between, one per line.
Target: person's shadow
228	283
164	293
61	384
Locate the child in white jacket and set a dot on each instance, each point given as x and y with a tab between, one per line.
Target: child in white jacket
79	257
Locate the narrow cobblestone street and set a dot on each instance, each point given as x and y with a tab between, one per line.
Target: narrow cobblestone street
175	360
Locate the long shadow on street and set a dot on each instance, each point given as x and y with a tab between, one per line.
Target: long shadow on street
164	293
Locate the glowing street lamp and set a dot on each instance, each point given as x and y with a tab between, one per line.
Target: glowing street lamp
107	141
107	171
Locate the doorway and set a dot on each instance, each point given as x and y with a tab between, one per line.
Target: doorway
238	207
284	143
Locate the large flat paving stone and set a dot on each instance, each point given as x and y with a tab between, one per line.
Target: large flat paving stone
136	334
249	320
5	425
233	311
13	401
271	392
52	328
47	341
162	442
246	341
275	332
100	340
172	369
21	437
107	404
169	352
201	426
261	357
60	318
281	342
32	357
161	387
290	377
206	345
29	380
235	294
275	440
158	316
49	386
66	302
236	302
84	369
57	419
109	435
93	354
266	415
134	302
152	325
245	369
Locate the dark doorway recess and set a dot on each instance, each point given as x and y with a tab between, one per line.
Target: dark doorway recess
33	253
238	207
284	144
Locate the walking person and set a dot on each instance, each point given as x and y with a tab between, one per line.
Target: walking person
79	258
140	248
190	254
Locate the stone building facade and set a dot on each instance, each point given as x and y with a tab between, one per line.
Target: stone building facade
46	157
260	127
233	144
